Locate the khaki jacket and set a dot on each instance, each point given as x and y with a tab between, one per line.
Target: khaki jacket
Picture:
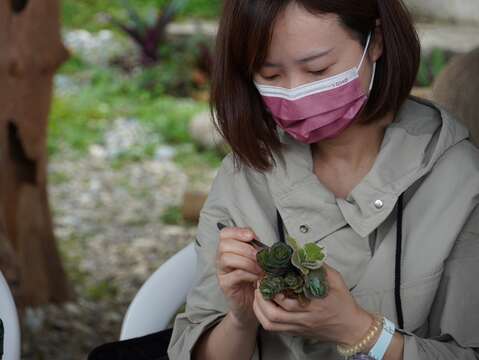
425	153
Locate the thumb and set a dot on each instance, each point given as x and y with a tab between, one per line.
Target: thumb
333	276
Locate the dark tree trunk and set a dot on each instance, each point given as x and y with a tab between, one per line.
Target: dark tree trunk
30	52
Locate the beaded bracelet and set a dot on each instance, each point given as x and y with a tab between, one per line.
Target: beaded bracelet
385	338
372	332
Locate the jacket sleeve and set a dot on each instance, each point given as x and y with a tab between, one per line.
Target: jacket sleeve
206	305
454	317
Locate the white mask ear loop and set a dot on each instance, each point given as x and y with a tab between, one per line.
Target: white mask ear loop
374	64
365	51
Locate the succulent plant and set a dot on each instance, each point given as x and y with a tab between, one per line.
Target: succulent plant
275	260
293	270
294	281
307	258
270	286
316	285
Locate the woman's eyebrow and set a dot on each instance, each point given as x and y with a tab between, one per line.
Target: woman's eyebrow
314	55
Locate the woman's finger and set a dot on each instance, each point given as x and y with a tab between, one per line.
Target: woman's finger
228	262
235	233
233	278
288	304
267	323
333	277
237	247
275	313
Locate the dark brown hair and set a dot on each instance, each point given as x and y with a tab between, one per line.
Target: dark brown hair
244	35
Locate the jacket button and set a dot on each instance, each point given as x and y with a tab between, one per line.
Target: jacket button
378	204
304	228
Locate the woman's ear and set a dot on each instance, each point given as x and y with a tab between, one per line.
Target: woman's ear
377	45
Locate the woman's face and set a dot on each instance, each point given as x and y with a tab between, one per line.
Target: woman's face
306	47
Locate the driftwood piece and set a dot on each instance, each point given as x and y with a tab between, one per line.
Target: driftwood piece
193	201
30	52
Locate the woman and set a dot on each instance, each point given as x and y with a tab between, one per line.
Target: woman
312	96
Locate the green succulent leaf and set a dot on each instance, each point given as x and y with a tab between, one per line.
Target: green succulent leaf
313	255
297	260
270	286
293	243
293	270
294	282
309	257
314	252
316	284
275	260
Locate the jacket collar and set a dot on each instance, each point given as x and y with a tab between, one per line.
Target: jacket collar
412	144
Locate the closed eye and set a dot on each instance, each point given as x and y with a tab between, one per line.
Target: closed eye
269	77
319	72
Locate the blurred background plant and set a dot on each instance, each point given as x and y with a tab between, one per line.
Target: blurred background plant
431	66
131	68
93	15
149	33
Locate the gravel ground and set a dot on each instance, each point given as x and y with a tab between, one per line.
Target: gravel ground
109	230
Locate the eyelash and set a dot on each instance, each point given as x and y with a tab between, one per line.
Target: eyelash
270	77
319	72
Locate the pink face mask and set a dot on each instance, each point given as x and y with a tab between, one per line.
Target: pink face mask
321	109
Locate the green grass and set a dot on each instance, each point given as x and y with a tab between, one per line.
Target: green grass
72	251
86	14
76	122
102	290
73	66
58	178
172	216
189	156
80	120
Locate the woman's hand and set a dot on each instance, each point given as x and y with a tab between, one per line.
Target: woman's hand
238	272
335	318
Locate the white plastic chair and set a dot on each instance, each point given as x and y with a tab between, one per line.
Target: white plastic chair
161	296
9	316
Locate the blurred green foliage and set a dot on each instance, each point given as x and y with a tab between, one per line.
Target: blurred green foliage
72	251
79	120
158	96
149	33
102	290
87	14
430	67
175	74
189	156
172	216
